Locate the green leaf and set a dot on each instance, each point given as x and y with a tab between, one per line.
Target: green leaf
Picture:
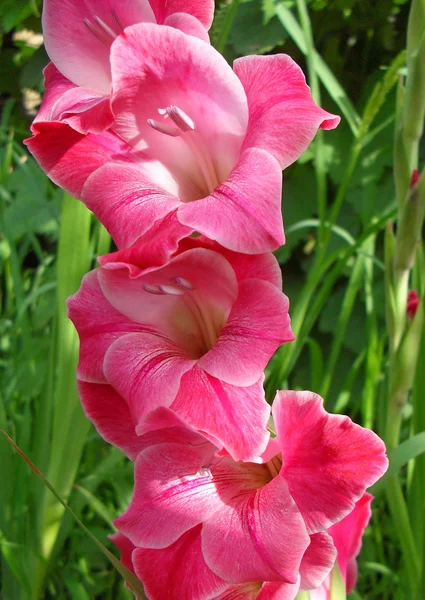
399	457
130	578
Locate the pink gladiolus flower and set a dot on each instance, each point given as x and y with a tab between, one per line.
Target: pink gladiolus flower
197	519
347	536
78	35
189	135
191	330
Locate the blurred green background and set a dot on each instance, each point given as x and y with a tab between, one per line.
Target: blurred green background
338	308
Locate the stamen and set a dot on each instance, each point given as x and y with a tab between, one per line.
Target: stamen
153	289
96	33
179	117
163	128
118	20
172	290
105	27
204	471
184	283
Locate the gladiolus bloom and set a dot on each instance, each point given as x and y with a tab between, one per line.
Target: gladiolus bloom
78	35
192	334
347	537
189	135
216	520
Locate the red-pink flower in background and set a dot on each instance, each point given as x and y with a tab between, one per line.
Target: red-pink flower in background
189	135
347	536
216	520
192	333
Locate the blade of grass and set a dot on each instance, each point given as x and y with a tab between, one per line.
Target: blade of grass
328	79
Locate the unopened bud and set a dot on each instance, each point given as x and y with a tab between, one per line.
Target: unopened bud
414	178
412	303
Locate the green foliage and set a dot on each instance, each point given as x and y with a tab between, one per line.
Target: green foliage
339	203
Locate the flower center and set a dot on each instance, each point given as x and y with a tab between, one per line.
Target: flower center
274	465
102	31
192	315
184	128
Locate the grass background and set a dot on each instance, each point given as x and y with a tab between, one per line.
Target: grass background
338	202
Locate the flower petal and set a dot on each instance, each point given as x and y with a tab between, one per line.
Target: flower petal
279	591
245	266
244	213
236	417
283	117
126	202
153	249
111	416
247	540
347	536
98	324
173	493
317	561
146	370
68	157
80	50
84	110
189	25
213	290
178	571
254	330
203	11
168	68
126	549
240	591
328	461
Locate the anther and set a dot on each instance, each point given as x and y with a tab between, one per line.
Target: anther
184	283
153	289
163	128
179	117
171	290
118	20
105	27
96	33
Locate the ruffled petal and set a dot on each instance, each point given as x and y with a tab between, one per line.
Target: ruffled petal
146	370
153	249
126	201
245	266
203	11
328	461
76	38
69	157
254	330
84	110
111	416
189	25
347	536
283	118
236	417
244	212
98	324
178	571
173	493
126	549
247	540
279	591
317	561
